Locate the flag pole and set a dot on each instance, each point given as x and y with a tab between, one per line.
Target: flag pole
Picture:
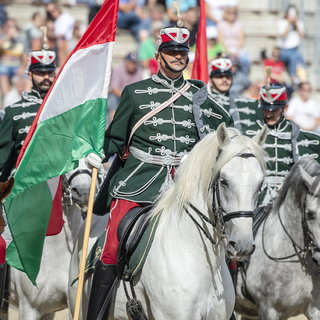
85	243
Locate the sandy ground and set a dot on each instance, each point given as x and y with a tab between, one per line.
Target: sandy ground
63	315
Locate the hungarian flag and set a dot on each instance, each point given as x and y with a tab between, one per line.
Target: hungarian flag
200	64
70	124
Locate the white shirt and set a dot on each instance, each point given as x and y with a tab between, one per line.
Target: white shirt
63	26
304	113
216	7
293	39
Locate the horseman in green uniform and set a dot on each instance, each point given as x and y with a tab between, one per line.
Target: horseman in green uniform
157	123
17	122
19	116
285	142
243	110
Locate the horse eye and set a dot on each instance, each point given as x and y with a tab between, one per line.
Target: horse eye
310	215
223	183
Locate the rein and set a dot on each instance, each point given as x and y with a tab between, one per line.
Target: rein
308	240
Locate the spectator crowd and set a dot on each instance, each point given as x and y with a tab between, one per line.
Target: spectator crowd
143	19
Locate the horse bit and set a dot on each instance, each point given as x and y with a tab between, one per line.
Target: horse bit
309	238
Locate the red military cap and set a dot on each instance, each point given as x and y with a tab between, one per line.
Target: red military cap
42	60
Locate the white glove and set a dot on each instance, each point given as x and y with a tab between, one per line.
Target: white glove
92	160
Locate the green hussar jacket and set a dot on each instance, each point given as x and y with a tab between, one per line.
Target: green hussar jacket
244	111
14	128
285	143
170	134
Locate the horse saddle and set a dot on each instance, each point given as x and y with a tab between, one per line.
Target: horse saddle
130	232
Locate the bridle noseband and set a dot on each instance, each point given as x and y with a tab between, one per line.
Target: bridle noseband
220	214
66	186
217	207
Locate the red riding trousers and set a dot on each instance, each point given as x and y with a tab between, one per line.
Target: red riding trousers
119	209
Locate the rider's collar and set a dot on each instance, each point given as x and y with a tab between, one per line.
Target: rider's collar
215	91
279	124
32	95
178	82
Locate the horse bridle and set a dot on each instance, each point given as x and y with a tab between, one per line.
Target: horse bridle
221	216
309	238
66	186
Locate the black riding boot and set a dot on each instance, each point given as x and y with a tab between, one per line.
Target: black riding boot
4	296
104	281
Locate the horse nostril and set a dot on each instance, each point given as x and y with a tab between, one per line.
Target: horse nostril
252	250
233	244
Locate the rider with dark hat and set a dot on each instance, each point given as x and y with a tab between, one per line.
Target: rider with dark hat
157	123
19	116
285	142
243	110
17	122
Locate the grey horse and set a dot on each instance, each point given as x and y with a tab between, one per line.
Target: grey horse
282	277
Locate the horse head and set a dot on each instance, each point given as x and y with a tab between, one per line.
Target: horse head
76	186
236	187
310	207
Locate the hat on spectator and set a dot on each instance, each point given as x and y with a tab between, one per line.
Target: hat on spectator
42	60
273	97
173	38
220	66
132	56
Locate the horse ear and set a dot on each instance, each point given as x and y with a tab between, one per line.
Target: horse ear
261	136
308	180
222	134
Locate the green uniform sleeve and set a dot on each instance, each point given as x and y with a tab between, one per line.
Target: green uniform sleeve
117	135
6	131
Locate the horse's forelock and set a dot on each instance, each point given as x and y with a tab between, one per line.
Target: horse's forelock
239	145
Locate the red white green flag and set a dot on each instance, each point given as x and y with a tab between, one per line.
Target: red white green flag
69	125
200	64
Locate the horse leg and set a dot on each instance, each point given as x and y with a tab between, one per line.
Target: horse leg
26	312
313	312
268	313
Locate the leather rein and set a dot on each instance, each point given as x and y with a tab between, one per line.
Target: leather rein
309	238
220	214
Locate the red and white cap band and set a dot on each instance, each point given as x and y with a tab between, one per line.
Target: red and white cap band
273	94
222	64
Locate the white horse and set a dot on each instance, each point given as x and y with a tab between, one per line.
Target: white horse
208	206
282	279
50	295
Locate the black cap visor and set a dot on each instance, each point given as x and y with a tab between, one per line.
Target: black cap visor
271	107
217	73
170	45
42	67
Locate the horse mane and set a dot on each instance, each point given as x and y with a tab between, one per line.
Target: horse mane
198	171
294	180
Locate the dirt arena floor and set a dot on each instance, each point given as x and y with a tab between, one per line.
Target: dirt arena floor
63	315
